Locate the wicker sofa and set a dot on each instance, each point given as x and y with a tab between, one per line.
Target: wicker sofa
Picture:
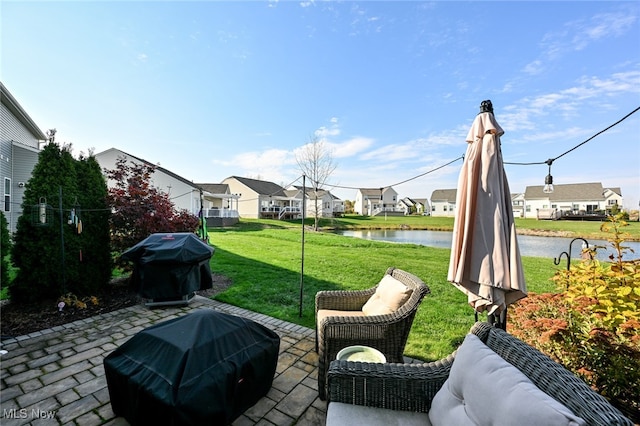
388	394
341	322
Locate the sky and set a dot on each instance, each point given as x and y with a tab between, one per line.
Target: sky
212	89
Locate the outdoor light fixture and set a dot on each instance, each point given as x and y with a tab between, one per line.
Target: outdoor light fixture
548	180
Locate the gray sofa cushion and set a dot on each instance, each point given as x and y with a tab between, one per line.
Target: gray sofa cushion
339	413
484	389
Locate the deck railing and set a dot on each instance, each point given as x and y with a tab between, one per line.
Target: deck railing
220	213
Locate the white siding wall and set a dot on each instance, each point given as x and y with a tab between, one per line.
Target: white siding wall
183	195
438	208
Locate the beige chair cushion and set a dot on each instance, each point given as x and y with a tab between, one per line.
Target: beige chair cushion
390	295
484	389
324	313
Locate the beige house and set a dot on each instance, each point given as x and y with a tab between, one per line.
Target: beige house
262	199
20	140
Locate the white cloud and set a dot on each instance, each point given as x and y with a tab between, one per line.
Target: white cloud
255	161
533	68
350	147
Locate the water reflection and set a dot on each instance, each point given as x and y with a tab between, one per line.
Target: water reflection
550	247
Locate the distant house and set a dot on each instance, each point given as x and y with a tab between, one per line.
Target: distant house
575	198
220	206
374	201
321	201
20	139
443	202
414	205
423	206
517	204
183	193
262	199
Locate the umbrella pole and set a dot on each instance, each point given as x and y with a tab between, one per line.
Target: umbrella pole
498	321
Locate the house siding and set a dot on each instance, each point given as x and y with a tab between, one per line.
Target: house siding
16	163
184	196
249	202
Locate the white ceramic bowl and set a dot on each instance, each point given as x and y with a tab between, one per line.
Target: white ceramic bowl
362	354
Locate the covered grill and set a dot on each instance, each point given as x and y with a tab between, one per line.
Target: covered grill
169	268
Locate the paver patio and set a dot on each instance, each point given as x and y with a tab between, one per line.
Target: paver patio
56	376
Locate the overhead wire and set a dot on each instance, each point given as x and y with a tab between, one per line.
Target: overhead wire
548	162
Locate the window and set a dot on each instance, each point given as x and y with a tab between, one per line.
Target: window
445	208
528	208
7	194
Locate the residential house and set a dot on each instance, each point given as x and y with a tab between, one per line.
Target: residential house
517	204
183	193
422	206
374	201
20	140
443	202
219	205
262	199
570	199
414	205
322	202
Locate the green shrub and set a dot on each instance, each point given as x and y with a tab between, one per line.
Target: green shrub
592	326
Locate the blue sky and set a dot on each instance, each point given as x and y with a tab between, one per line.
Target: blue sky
212	89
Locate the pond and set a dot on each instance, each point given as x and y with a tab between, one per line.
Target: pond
550	247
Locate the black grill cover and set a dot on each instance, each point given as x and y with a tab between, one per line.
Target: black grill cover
205	368
169	266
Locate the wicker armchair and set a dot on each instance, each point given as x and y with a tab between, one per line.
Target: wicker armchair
411	387
386	333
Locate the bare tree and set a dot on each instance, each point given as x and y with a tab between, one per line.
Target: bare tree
315	160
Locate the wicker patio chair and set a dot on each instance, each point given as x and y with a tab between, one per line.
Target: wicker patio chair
386	333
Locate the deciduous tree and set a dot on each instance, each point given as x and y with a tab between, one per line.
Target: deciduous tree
315	161
139	208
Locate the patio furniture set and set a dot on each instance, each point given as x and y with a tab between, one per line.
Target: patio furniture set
491	379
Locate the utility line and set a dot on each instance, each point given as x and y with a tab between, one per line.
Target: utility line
548	162
551	160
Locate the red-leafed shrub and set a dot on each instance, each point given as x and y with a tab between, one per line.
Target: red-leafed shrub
139	209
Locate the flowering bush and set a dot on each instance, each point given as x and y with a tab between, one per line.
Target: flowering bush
592	325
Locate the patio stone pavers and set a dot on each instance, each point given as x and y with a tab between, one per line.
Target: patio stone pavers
56	376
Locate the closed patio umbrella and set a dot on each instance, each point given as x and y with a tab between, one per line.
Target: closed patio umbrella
485	259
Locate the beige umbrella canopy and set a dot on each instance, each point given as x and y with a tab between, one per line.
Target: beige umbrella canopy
485	259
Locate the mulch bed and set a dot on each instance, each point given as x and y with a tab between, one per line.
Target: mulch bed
20	319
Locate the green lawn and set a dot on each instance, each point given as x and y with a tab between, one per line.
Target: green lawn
263	259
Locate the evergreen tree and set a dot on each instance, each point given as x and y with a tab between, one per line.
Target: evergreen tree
92	227
60	182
